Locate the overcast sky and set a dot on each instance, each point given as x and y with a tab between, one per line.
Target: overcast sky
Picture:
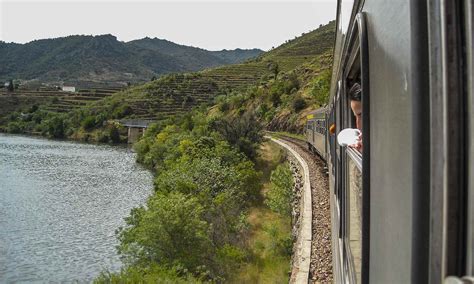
213	25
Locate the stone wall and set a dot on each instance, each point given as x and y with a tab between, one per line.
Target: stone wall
301	216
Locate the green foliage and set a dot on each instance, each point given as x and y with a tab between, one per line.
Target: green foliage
274	68
275	97
280	242
122	111
15	127
114	134
56	126
280	195
153	273
170	231
202	190
299	104
88	123
244	132
320	87
224	106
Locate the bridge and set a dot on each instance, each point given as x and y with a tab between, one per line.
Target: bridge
136	128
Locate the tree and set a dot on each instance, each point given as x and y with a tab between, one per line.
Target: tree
244	132
114	134
56	127
170	231
321	86
299	104
274	68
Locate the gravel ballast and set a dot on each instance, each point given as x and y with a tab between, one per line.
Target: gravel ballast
321	253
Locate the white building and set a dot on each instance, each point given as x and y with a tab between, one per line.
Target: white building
69	89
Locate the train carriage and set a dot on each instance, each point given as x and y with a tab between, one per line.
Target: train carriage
316	132
402	206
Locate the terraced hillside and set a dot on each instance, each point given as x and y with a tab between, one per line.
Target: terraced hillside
50	100
178	93
305	57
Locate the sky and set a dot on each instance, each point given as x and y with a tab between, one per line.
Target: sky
212	25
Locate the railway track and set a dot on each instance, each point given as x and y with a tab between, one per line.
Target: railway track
320	270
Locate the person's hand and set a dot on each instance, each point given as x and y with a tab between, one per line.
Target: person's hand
358	144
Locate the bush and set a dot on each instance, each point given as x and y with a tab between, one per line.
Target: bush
275	98
170	231
244	132
122	111
15	127
153	273
88	123
56	126
280	195
114	134
320	87
102	137
299	104
224	106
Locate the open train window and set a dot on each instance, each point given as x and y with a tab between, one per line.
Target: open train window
356	159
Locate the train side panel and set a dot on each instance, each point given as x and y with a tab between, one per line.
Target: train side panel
316	132
391	144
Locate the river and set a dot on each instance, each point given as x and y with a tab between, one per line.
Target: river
60	204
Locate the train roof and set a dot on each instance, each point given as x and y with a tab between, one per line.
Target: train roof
317	112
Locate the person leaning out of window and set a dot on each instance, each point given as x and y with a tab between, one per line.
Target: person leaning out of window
355	96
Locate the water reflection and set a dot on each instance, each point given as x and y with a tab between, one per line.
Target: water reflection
60	203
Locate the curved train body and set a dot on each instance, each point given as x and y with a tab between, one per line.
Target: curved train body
402	207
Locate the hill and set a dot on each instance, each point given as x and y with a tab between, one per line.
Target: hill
280	86
104	59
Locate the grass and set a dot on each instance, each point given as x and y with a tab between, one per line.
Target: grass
268	264
287	134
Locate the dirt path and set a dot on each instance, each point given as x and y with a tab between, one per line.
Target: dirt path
321	254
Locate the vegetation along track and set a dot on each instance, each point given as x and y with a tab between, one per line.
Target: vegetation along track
321	254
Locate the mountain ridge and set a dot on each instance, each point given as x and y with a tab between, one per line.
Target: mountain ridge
103	58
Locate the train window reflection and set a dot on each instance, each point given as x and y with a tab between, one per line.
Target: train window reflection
354	195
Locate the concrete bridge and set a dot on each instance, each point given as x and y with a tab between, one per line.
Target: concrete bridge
136	128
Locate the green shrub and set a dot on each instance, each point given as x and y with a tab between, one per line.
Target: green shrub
114	134
153	273
170	231
320	87
224	106
15	127
299	104
280	194
56	126
122	111
280	243
275	98
88	123
102	137
244	132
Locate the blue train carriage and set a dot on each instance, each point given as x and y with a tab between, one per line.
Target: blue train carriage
403	206
316	132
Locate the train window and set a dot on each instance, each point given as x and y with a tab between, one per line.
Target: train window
355	169
355	216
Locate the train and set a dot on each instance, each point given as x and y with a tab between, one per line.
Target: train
402	206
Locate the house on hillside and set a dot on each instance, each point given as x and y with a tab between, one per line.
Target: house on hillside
69	89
